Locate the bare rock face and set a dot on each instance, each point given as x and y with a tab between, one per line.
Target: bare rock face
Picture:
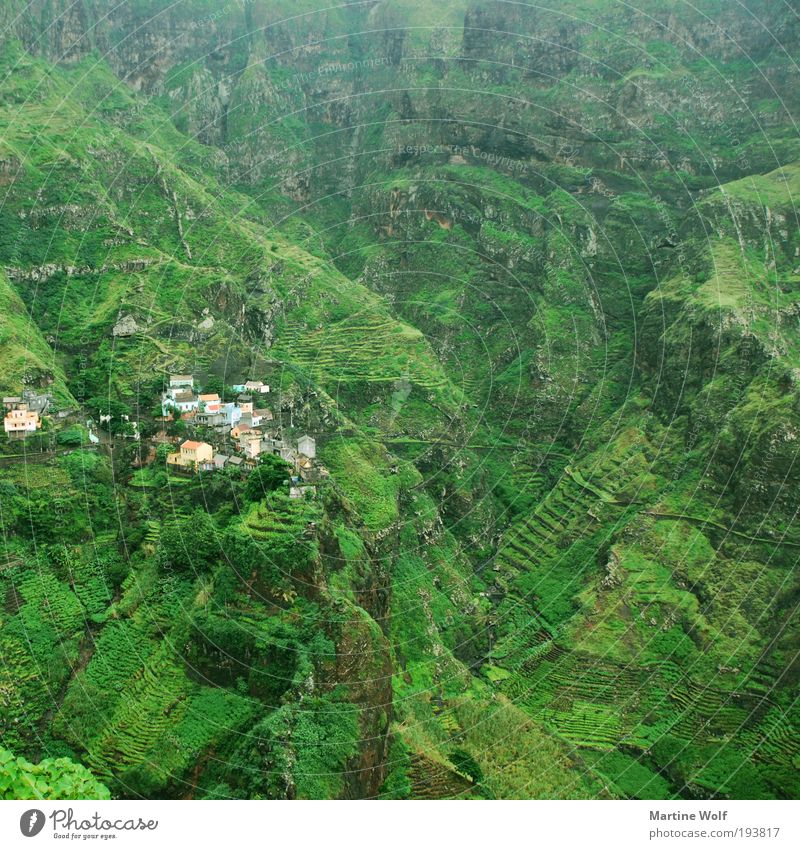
205	328
125	326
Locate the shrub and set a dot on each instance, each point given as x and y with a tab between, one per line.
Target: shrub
268	476
52	778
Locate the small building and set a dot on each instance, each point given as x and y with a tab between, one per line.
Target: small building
36	402
12	402
250	443
256	386
220	461
232	412
245	404
210	403
278	447
241	429
207	418
192	456
249	416
19	422
307	446
181	381
183	400
263	414
236	463
309	473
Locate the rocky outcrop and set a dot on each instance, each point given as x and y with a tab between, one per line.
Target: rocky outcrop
42	273
236	76
125	326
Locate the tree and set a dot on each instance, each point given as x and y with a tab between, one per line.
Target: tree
214	384
147	428
268	475
162	451
244	553
73	435
120	413
188	544
177	427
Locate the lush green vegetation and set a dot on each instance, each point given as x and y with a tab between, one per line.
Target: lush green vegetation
540	309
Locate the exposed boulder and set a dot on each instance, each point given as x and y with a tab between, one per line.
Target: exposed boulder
125	326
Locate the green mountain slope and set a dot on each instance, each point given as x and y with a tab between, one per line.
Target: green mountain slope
530	277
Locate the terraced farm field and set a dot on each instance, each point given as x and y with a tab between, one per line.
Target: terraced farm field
524	276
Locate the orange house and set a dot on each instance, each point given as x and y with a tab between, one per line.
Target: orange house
21	421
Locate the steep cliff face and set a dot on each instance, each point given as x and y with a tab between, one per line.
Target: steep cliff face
718	342
632	90
532	274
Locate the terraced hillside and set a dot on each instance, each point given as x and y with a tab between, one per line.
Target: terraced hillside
529	277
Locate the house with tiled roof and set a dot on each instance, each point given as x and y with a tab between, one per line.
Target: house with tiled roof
235	463
210	402
185	401
249	442
20	422
192	456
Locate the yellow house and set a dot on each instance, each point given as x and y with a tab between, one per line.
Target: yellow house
192	455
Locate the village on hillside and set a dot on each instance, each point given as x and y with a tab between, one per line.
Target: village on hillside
219	434
242	433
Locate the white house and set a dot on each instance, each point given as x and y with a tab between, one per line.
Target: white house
233	413
181	381
186	402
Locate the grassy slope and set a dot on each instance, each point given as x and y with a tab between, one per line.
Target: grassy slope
594	602
26	356
123	695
